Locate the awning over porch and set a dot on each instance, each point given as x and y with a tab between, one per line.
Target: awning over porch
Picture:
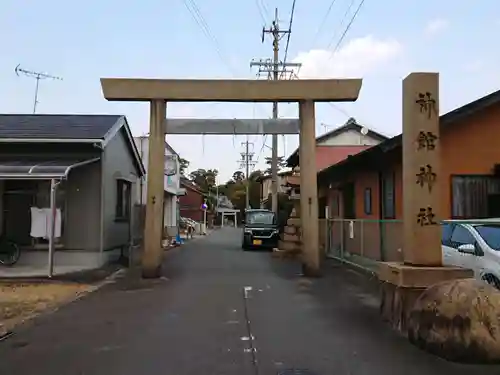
31	169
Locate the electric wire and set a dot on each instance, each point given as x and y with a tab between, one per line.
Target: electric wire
342	37
261	11
342	21
323	22
198	17
289	35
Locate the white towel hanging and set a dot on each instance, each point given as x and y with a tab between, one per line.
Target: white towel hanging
38	223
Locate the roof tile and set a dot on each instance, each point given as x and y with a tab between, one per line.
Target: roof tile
56	126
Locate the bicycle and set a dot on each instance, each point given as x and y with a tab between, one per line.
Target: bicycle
9	252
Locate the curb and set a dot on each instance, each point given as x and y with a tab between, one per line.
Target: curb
354	266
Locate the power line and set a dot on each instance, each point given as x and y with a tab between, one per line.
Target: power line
264	7
275	69
347	29
264	138
334	106
38	76
196	14
344	17
200	20
323	22
290	32
261	11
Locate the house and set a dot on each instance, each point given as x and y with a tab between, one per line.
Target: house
367	187
171	182
266	185
190	204
91	165
338	144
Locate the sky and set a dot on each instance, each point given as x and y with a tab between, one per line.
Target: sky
84	41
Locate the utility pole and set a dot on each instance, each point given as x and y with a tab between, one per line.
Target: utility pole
274	69
247	162
38	76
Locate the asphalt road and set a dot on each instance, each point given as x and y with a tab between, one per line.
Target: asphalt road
221	311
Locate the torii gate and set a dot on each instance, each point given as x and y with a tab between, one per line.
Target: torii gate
160	91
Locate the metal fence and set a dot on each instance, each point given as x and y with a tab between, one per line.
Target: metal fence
362	242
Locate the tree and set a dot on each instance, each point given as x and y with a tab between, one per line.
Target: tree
183	165
238	198
204	178
235	189
281	164
238	176
255	188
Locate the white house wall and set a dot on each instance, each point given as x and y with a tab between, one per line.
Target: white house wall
171	183
170	211
349	138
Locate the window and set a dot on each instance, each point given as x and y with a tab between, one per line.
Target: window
446	231
462	236
349	203
260	218
123	197
471	196
388	196
490	234
368	201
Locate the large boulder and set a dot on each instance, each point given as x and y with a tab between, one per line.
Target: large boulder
458	320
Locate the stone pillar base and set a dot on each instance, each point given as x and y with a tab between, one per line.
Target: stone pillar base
309	271
285	254
151	272
402	285
396	303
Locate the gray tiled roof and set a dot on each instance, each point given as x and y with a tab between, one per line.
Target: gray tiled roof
56	126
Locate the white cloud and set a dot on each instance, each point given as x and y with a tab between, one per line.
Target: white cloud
436	25
358	58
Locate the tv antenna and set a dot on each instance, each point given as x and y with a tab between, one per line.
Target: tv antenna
38	76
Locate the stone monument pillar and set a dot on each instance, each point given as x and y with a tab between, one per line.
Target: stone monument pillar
402	283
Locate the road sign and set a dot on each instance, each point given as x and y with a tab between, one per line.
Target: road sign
204	206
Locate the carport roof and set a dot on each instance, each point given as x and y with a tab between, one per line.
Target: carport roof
40	169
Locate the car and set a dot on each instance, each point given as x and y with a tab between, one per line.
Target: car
260	230
473	245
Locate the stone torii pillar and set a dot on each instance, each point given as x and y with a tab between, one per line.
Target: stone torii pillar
160	91
151	260
311	254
